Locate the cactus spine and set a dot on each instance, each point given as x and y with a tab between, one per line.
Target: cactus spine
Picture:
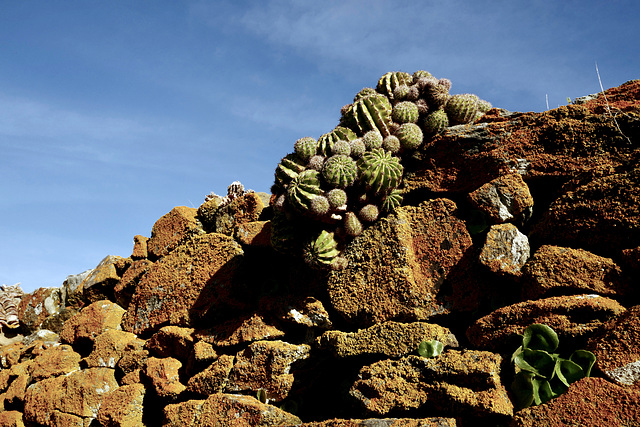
340	171
321	251
379	170
370	113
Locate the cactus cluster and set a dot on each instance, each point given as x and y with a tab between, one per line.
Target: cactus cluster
328	190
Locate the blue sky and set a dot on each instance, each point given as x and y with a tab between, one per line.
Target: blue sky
112	113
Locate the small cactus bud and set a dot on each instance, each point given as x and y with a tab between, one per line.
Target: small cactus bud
400	92
320	205
410	136
391	144
357	148
405	112
372	139
337	198
341	147
369	213
316	162
352	225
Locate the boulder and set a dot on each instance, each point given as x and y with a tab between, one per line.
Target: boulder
504	199
108	348
163	374
53	362
172	341
99	284
39	305
140	247
213	379
243	329
172	229
93	320
385	422
505	250
240	211
123	407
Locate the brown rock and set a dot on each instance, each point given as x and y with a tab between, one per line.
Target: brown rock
396	266
123	407
590	402
254	233
140	250
69	398
455	383
242	210
99	284
10	354
504	199
185	284
172	341
35	307
73	292
552	270
108	348
11	419
385	422
308	312
506	250
164	377
213	379
572	317
617	348
133	361
93	320
16	390
390	339
226	410
126	287
55	361
172	229
266	365
242	330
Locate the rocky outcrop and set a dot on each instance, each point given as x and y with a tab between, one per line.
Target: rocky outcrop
514	219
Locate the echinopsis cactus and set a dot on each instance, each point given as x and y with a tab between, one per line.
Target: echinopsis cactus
345	180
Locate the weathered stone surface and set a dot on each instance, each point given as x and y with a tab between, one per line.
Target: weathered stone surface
396	266
73	292
140	250
266	365
242	330
602	216
185	284
390	339
504	199
126	287
93	320
578	316
385	422
554	269
308	312
99	284
172	341
123	407
590	402
10	354
206	213
164	377
108	348
617	348
132	361
241	210
15	392
226	410
505	250
78	395
213	379
11	419
455	383
254	233
35	307
172	229
55	361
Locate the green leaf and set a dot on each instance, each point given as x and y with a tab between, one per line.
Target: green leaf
431	348
522	389
568	372
536	361
585	359
542	392
540	337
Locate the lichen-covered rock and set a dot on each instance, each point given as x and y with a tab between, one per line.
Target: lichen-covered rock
385	422
172	341
396	266
241	330
108	348
226	410
185	284
132	362
72	290
455	383
123	407
93	320
504	199
164	376
70	398
554	269
505	250
172	229
140	248
309	312
126	287
589	402
242	210
99	284
617	348
578	316
213	379
254	233
11	419
37	306
54	361
389	339
266	365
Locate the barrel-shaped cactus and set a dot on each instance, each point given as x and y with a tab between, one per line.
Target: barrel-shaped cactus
303	189
288	168
364	92
340	171
434	93
372	139
326	141
370	113
405	112
305	148
337	198
410	136
392	201
320	251
435	122
369	213
352	225
461	108
379	170
391	80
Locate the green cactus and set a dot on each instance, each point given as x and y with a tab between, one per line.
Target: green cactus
434	93
392	201
391	80
337	198
357	148
285	234
435	122
320	205
342	147
305	148
405	112
352	225
370	113
340	171
367	91
303	189
391	144
430	349
326	141
461	108
410	136
317	162
369	213
372	139
400	92
379	170
320	251
288	168
420	74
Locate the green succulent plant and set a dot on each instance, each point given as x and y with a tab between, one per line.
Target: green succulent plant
435	122
288	168
352	225
430	349
370	113
379	170
305	148
391	80
337	198
461	108
321	250
405	112
541	374
340	171
410	136
392	201
326	141
303	189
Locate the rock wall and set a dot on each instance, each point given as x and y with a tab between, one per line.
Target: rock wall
518	218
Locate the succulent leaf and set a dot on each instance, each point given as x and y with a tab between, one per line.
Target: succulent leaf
320	251
540	337
585	359
303	189
379	170
326	141
431	348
